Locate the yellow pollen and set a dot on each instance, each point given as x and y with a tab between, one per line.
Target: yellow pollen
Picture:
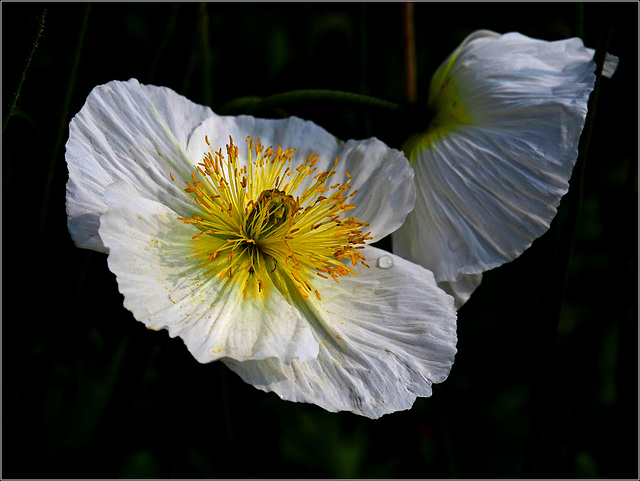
297	229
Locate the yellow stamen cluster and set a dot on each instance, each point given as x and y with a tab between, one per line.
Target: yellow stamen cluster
259	225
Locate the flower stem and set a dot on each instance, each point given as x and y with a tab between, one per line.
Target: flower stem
364	65
162	47
226	408
563	230
24	71
580	33
64	117
252	105
363	49
409	42
241	104
207	79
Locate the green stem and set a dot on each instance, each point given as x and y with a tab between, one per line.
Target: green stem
563	231
226	408
24	71
64	117
445	439
364	64
207	79
160	51
255	104
599	58
240	104
364	88
409	42
580	33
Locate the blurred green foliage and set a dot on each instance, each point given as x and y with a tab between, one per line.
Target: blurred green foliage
89	392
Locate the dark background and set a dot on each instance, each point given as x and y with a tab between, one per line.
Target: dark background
89	392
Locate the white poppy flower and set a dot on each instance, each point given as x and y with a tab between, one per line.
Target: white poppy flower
497	157
256	254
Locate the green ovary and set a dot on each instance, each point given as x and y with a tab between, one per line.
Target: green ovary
271	210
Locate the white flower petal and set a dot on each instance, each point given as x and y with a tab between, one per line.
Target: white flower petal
385	336
462	289
610	65
381	175
165	287
380	344
384	181
125	132
491	171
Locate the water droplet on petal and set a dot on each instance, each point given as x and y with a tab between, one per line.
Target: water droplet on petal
385	262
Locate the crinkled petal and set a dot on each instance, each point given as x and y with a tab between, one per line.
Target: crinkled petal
383	179
385	337
493	167
165	287
126	132
381	175
462	289
610	65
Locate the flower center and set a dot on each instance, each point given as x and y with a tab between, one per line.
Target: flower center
273	207
263	224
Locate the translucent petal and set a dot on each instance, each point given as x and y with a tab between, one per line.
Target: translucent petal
462	289
385	337
165	287
381	175
126	132
493	167
610	65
